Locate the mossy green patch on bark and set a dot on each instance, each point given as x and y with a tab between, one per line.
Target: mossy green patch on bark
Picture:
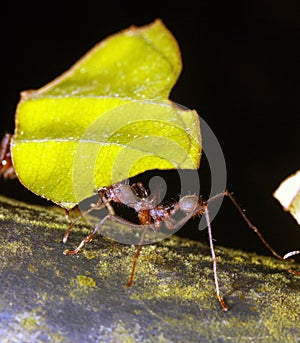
86	281
54	297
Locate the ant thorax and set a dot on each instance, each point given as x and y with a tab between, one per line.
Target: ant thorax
134	196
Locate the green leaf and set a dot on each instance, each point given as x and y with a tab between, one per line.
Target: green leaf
288	194
106	119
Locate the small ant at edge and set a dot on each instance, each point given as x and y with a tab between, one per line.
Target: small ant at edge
6	166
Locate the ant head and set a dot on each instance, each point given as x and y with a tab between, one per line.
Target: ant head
188	203
123	194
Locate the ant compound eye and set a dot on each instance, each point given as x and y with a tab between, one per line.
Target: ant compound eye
188	203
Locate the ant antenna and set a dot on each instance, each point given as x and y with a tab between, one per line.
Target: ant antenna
90	237
250	225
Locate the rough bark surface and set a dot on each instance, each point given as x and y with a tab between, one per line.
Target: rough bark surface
49	297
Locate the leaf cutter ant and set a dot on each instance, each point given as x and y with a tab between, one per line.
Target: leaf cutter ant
152	216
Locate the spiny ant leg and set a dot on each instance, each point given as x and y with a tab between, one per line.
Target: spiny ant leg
67	215
67	232
214	259
97	206
90	237
136	256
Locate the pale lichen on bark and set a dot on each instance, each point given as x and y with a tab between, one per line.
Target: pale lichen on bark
52	297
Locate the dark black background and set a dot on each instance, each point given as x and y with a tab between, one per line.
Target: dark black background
240	72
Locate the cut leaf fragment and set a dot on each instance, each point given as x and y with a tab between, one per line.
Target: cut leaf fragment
288	194
106	119
138	63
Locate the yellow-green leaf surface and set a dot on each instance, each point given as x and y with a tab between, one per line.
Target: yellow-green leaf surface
288	194
106	119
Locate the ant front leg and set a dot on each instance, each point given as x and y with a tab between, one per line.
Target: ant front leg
97	206
88	238
116	218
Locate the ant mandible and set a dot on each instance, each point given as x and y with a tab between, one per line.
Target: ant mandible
151	216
